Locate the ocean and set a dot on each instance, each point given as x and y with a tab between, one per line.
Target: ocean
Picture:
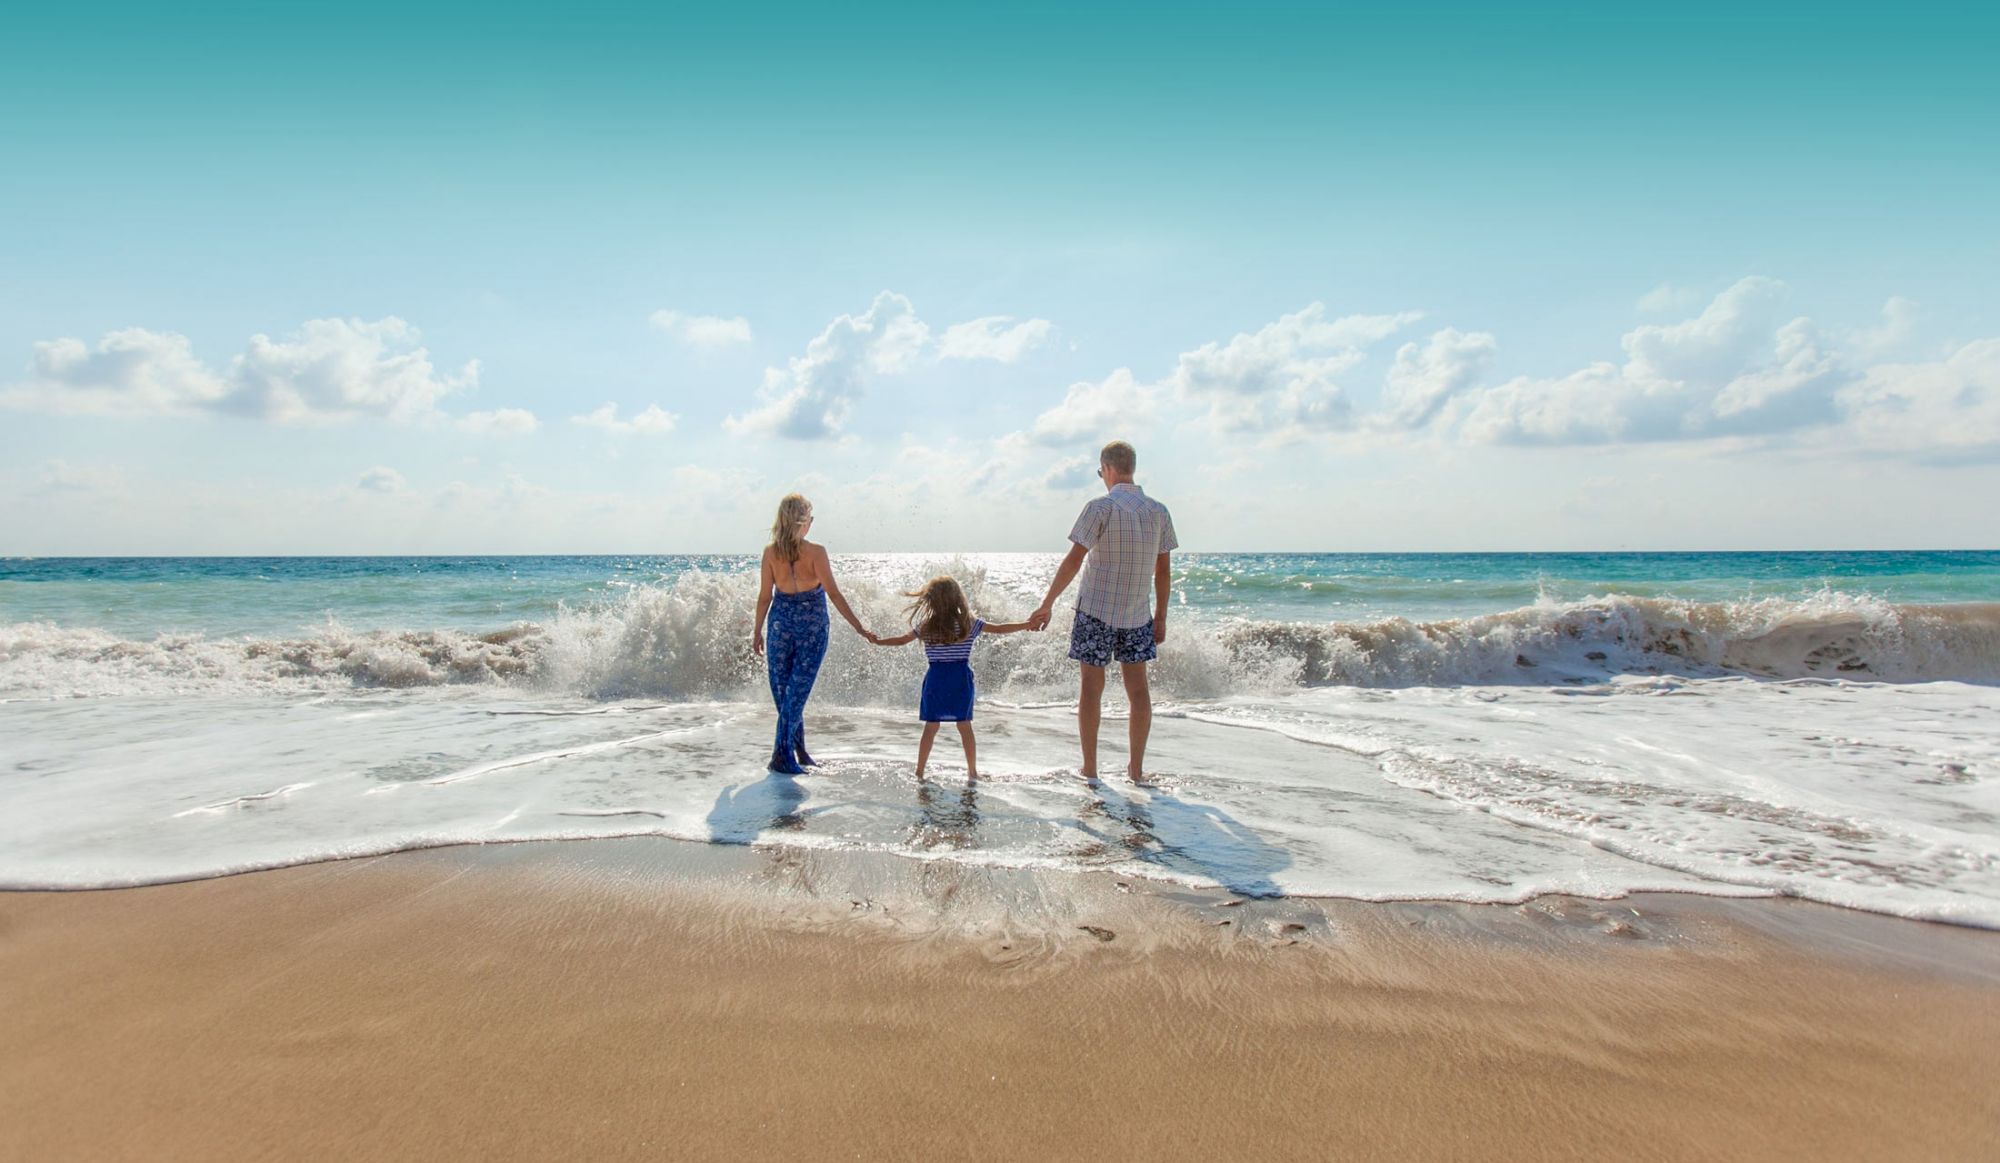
1477	727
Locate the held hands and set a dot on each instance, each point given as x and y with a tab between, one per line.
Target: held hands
872	636
1039	620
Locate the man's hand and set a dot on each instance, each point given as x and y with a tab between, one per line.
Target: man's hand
1039	620
1159	628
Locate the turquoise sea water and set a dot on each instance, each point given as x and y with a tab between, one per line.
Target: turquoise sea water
1384	726
135	597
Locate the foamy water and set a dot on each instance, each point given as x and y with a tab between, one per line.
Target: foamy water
1826	742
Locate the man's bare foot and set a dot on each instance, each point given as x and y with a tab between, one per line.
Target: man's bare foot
1090	775
920	773
971	774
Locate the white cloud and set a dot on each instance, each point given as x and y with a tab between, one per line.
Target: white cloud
810	398
1071	474
1424	378
1944	410
381	479
60	476
133	372
1732	370
500	422
654	421
338	368
994	337
1096	412
1898	326
330	369
1281	378
704	331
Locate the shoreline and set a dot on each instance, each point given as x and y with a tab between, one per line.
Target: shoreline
649	996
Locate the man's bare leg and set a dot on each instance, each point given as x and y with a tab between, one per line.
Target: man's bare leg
1090	709
1140	693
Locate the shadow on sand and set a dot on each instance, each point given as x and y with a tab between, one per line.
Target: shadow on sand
1185	839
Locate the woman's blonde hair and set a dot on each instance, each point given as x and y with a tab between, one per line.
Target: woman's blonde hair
786	535
940	613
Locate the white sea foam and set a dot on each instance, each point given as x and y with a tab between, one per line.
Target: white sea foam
690	639
1838	748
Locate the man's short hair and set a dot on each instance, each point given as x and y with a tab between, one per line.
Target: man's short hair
1119	457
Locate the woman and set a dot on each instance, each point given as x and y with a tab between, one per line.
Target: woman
793	587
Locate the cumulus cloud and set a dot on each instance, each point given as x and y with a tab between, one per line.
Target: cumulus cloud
654	421
1734	369
1282	377
994	337
338	368
501	422
1425	377
1944	411
133	372
810	397
1071	474
381	479
1097	411
330	369
704	331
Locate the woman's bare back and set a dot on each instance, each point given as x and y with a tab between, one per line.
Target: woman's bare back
795	577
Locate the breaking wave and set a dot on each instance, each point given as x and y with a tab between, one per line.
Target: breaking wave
690	639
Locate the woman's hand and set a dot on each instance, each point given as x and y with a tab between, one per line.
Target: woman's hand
872	636
757	643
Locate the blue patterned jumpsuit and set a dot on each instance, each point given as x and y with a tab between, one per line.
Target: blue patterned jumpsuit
795	646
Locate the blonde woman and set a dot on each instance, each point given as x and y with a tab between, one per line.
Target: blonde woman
793	587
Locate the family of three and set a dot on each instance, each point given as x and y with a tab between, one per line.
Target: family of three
1120	545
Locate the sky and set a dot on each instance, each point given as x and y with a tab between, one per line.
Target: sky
369	278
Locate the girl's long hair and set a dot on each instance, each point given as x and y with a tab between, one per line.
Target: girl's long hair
940	614
785	535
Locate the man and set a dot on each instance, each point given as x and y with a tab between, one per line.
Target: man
1121	542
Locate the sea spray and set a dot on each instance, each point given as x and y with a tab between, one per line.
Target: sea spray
689	638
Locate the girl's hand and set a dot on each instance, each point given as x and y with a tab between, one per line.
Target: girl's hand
872	636
757	643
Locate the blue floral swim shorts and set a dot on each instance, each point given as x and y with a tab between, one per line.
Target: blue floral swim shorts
1096	643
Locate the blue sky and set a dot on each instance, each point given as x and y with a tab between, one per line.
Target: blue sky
352	278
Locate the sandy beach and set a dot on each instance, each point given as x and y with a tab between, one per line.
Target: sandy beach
650	997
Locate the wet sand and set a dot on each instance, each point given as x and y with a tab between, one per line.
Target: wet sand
649	998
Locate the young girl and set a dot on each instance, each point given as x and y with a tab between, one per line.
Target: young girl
943	620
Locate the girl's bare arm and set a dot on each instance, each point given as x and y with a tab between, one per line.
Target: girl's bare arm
1007	627
898	640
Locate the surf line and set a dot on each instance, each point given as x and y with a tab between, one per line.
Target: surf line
564	753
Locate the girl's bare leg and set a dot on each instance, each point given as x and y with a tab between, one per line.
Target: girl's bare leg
924	747
971	762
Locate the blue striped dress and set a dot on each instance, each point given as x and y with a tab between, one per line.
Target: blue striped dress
948	684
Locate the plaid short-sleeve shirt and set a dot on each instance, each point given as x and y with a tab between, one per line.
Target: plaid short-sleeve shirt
1125	531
